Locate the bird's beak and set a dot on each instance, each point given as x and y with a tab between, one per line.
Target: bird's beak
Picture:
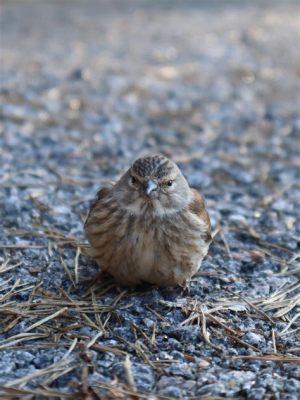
149	187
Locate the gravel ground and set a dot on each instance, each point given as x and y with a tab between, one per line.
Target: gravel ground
86	87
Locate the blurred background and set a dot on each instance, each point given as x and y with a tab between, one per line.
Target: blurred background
95	84
88	86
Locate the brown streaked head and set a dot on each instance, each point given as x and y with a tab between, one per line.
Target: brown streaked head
156	166
153	183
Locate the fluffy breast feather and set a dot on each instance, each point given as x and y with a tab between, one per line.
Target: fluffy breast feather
135	248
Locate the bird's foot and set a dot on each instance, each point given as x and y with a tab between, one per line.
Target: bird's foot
100	277
185	288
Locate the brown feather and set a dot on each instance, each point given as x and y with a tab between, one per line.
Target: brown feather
161	241
197	207
101	194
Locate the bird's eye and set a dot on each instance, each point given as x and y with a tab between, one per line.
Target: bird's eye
170	182
132	179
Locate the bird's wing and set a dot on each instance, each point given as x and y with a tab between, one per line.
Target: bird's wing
197	207
101	194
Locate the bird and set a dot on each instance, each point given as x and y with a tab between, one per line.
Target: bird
150	226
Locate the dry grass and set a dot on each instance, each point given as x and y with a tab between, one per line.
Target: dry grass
280	303
53	320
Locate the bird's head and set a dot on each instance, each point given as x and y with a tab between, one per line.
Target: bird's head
153	184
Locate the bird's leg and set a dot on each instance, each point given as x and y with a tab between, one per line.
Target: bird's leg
185	287
100	277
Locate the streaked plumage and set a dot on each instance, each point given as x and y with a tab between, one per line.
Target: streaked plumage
150	226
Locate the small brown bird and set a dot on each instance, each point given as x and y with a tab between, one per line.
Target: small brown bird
150	226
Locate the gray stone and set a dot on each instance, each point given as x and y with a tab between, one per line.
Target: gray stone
86	87
253	338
